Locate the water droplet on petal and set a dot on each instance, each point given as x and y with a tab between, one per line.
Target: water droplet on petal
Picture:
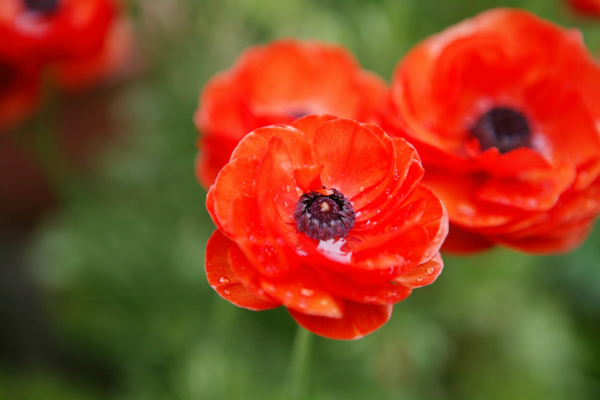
224	280
226	292
306	292
288	188
430	270
420	279
302	304
362	188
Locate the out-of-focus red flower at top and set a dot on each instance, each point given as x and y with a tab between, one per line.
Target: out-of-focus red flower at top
327	218
37	31
504	110
588	7
275	84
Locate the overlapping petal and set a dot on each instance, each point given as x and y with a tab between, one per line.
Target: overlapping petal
343	287
275	84
507	62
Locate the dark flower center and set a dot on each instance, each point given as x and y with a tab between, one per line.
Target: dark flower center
43	6
324	214
503	128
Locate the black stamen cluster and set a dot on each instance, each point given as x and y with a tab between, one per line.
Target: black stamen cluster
43	6
503	128
324	214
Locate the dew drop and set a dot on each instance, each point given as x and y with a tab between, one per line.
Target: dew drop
420	279
289	294
466	209
302	304
362	188
430	270
288	188
226	292
307	292
224	280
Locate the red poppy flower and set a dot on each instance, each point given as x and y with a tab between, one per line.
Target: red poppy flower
275	84
19	94
504	109
36	31
327	218
588	7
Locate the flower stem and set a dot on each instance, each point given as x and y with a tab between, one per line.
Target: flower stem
297	379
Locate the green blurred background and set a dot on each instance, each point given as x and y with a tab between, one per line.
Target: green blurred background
107	298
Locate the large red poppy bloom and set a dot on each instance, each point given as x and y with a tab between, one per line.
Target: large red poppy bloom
37	31
275	84
504	109
327	218
588	7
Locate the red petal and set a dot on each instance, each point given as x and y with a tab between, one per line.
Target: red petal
529	195
275	181
358	321
462	205
310	123
354	156
255	144
303	291
308	177
222	278
394	187
351	286
235	179
424	274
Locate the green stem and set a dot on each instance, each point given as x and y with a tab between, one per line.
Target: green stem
297	379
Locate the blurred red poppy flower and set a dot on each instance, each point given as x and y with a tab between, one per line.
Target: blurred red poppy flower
275	84
588	7
504	110
327	218
19	94
37	31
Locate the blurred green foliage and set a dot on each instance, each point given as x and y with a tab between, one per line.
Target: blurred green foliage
120	264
